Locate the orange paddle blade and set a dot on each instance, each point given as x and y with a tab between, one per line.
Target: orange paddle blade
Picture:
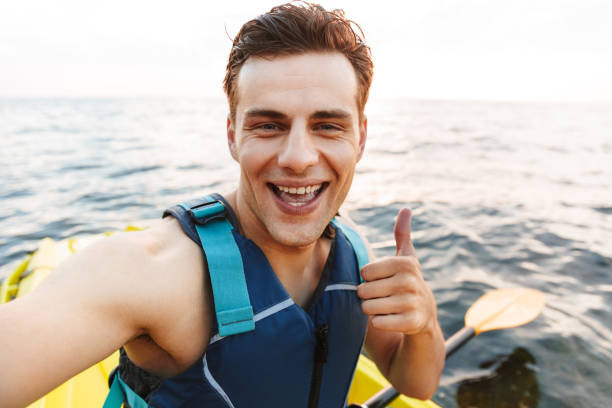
504	308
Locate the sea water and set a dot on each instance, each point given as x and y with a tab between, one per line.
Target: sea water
503	195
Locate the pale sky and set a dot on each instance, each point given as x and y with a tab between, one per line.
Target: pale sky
556	50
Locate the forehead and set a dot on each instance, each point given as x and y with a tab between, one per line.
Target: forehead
297	83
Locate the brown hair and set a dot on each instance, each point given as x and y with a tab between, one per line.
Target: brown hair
296	28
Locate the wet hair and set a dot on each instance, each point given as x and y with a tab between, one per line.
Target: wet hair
297	28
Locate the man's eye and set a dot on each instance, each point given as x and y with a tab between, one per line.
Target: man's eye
268	126
328	127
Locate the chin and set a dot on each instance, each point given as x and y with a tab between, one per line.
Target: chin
296	236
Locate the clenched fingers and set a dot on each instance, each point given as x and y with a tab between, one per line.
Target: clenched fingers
396	284
389	305
388	267
406	323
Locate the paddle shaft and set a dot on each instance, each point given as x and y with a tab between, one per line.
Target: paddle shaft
491	311
452	344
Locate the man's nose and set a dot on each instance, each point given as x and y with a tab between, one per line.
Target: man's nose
298	151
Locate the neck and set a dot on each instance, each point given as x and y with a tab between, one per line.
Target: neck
298	268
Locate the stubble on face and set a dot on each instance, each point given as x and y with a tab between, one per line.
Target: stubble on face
297	136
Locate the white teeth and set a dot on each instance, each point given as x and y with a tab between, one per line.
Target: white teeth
300	190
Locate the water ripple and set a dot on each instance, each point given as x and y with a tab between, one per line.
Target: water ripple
134	170
503	195
603	210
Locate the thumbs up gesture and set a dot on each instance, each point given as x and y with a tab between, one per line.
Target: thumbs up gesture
394	293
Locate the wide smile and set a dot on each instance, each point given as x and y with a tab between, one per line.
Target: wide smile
297	199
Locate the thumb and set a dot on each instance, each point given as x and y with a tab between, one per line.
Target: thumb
403	240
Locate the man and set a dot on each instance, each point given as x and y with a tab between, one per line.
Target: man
297	82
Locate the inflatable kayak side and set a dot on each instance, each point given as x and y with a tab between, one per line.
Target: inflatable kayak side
89	388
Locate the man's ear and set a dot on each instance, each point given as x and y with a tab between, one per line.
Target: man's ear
231	138
363	135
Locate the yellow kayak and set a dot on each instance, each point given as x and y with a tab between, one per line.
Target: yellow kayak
89	388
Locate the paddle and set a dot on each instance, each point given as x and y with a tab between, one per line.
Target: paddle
498	309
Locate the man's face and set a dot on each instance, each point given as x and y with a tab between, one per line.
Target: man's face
297	136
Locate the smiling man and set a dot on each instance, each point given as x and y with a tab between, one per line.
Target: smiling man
271	295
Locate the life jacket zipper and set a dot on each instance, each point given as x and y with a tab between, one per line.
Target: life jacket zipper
320	358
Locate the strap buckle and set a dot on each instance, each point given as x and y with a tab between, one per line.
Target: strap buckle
209	211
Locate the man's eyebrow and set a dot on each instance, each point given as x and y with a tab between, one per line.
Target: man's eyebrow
268	113
322	114
331	114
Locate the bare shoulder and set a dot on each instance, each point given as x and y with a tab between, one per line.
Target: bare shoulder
163	269
176	290
151	282
157	260
148	283
127	270
160	289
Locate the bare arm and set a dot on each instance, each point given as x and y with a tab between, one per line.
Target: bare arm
99	299
411	362
404	337
70	322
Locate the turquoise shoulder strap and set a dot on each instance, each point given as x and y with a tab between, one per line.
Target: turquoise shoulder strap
120	392
231	298
361	252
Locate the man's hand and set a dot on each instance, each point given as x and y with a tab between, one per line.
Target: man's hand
395	294
404	337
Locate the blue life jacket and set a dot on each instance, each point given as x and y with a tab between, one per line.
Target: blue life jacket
270	352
